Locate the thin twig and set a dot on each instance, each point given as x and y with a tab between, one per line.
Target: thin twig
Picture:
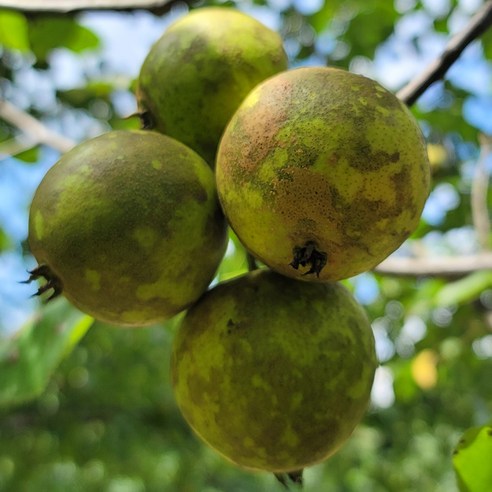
479	190
32	127
449	267
76	5
479	23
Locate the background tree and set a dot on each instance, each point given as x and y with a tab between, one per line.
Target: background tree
88	407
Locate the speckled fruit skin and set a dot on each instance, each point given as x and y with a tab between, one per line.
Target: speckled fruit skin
274	373
323	156
197	74
130	223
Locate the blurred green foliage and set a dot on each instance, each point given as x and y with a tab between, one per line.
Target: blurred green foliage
105	418
46	34
28	359
13	31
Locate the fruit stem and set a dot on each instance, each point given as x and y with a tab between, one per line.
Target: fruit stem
146	120
309	255
292	478
52	281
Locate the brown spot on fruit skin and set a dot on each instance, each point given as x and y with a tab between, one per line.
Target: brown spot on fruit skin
324	156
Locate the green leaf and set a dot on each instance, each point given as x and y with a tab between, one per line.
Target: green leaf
472	460
82	96
322	19
130	123
29	156
47	34
5	241
486	41
464	290
372	25
28	360
13	30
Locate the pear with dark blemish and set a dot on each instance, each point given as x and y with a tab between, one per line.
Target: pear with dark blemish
197	74
273	373
322	173
127	226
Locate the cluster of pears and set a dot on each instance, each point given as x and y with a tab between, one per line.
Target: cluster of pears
321	173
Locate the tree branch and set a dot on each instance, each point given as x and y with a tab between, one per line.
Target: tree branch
76	5
452	266
33	127
479	23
